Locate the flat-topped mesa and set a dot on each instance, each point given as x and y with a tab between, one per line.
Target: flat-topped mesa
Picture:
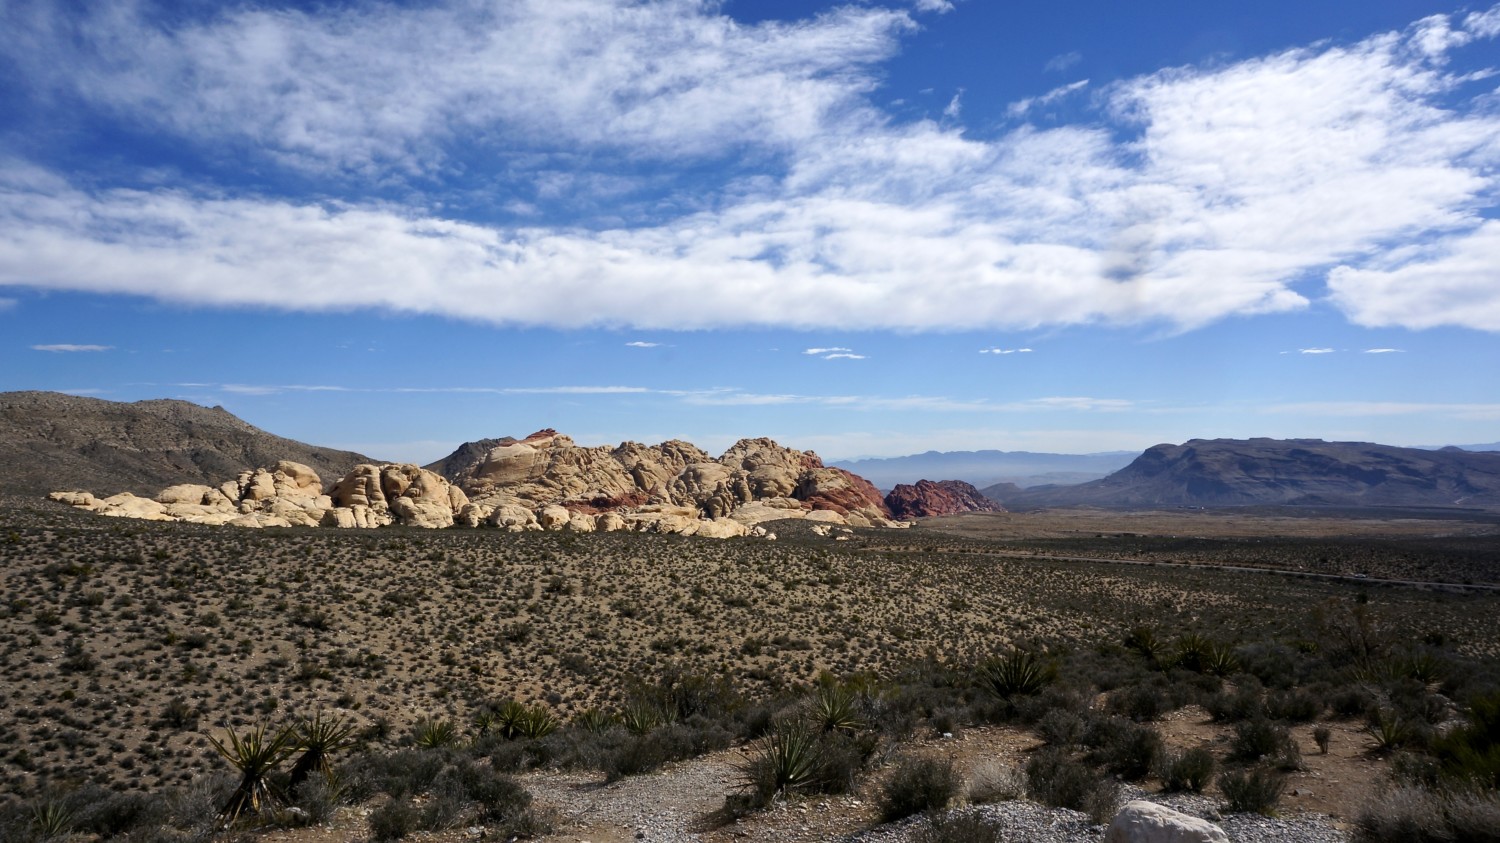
545	481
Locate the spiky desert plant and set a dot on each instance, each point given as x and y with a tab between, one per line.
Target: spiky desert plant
435	734
786	760
594	721
508	719
50	820
1020	673
641	717
317	739
537	722
835	708
255	756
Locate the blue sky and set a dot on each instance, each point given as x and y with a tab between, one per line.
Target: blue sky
867	229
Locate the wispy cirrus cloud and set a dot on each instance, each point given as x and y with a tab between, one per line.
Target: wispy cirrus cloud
642	344
1466	412
834	353
68	348
1004	351
1061	62
1383	351
1020	108
1185	196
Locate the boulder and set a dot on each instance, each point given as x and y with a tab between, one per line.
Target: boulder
610	522
190	493
1147	822
84	500
294	478
553	517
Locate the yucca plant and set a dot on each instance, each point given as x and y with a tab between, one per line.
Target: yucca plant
317	739
537	722
1020	673
1390	730
255	756
640	718
434	734
50	820
786	760
835	708
508	718
594	721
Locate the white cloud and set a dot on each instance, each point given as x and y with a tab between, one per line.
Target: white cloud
1452	281
1198	193
955	106
70	347
820	351
1383	351
1022	107
641	344
366	87
843	355
1059	63
1315	351
939	6
1004	351
1484	24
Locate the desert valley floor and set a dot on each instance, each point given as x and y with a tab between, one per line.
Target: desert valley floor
128	645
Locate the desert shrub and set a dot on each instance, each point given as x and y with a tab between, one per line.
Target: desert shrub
991	781
917	785
1056	779
1234	706
1141	703
639	754
834	706
960	827
320	796
1353	700
1471	752
1123	747
405	772
1261	739
1274	664
841	758
1053	698
1419	815
1189	770
393	820
1295	706
1253	791
1061	728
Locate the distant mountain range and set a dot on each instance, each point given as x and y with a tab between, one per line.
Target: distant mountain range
52	441
987	468
1241	472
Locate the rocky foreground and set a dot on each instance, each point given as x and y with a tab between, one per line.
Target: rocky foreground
542	482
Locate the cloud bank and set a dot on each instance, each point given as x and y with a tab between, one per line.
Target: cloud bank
1358	172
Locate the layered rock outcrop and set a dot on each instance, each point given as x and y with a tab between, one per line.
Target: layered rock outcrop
671	487
542	482
926	499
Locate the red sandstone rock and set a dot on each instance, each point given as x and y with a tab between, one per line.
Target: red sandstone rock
945	497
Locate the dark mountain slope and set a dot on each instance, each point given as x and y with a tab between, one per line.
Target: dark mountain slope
51	441
1241	472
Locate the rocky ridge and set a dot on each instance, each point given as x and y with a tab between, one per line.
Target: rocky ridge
542	482
49	440
926	499
1292	472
